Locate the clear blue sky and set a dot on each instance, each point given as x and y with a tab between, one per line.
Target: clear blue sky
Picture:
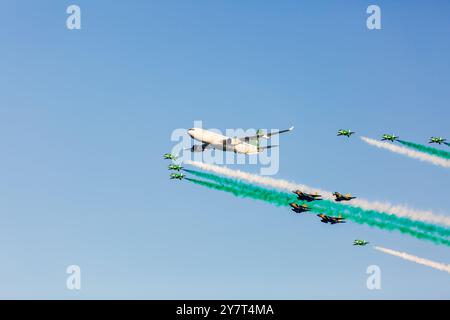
86	115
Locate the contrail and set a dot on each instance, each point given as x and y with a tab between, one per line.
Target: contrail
425	262
425	149
337	208
400	211
276	198
371	218
408	152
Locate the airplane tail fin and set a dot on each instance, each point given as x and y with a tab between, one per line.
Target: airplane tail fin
259	134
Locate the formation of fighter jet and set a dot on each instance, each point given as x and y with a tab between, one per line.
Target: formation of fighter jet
169	156
358	242
347	133
328	219
438	140
178	176
307	196
214	140
299	208
389	137
175	167
340	197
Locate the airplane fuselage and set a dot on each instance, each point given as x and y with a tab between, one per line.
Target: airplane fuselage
344	199
331	220
221	142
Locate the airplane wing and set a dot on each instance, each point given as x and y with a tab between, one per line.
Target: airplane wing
263	148
265	135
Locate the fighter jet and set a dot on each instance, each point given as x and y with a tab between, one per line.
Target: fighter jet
169	156
178	176
358	242
328	219
212	140
299	208
175	167
307	196
340	197
343	132
390	137
438	140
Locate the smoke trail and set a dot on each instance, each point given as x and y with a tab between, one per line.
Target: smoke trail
392	220
406	256
408	152
329	208
400	211
430	150
275	198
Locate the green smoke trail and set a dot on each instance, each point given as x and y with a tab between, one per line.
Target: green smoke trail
357	215
271	198
337	207
429	150
384	221
275	197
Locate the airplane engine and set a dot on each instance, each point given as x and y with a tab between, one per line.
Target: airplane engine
197	148
232	141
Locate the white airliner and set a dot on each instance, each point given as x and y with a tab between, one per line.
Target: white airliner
214	140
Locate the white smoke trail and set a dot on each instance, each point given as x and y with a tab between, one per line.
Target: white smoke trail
408	152
425	262
400	211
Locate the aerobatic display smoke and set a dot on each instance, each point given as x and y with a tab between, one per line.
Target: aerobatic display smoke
420	230
425	149
399	211
409	152
409	257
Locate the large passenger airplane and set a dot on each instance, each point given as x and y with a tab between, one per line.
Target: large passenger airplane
214	140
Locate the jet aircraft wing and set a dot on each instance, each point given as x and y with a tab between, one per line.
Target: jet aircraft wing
265	135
